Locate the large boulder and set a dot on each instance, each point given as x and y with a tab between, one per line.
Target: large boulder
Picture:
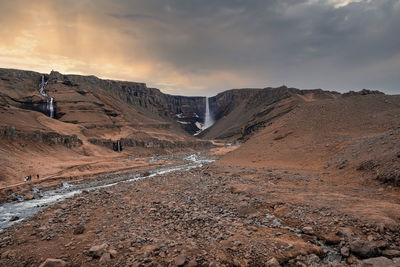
378	262
54	263
364	249
97	251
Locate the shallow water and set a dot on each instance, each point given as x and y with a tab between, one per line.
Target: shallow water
26	208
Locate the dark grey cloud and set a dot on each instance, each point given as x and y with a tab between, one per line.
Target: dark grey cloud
302	43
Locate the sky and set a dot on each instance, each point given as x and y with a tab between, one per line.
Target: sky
203	47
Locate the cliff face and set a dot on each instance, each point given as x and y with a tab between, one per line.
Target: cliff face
151	102
178	111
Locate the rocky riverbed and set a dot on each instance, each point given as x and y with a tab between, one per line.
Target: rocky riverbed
208	216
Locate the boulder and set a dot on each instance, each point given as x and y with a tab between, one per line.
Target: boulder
106	257
378	262
29	196
272	263
364	249
80	229
308	230
391	253
180	260
345	251
53	263
97	251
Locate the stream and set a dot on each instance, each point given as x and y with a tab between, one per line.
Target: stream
17	211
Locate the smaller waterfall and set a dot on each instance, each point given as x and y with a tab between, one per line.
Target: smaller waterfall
50	100
208	120
42	85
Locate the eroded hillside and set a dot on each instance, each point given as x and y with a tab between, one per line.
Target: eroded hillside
91	117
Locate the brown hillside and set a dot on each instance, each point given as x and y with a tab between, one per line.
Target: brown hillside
318	134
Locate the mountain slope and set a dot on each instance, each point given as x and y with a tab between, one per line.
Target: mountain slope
240	112
91	116
333	135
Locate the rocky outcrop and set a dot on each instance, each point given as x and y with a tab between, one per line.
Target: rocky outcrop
363	92
150	143
48	138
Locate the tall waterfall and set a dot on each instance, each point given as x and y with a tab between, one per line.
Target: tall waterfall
208	121
50	100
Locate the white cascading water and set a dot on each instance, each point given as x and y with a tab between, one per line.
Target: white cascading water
50	105
208	120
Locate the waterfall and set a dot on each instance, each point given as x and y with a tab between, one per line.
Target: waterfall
208	120
50	100
51	107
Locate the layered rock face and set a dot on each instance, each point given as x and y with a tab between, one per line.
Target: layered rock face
48	138
149	101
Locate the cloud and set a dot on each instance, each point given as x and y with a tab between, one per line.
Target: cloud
203	47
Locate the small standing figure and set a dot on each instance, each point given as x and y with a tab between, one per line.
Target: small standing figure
28	178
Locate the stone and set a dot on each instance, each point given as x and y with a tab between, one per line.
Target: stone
308	230
29	196
112	252
391	253
8	255
330	238
272	263
378	262
345	232
180	260
53	263
97	251
14	218
192	263
80	229
106	257
345	251
364	249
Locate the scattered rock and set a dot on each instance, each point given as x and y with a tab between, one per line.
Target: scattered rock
97	251
29	196
308	230
391	253
345	251
180	260
378	262
330	238
192	263
53	263
8	255
272	263
80	229
345	232
112	252
106	257
367	165
364	249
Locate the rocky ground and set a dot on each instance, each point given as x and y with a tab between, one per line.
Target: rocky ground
215	216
